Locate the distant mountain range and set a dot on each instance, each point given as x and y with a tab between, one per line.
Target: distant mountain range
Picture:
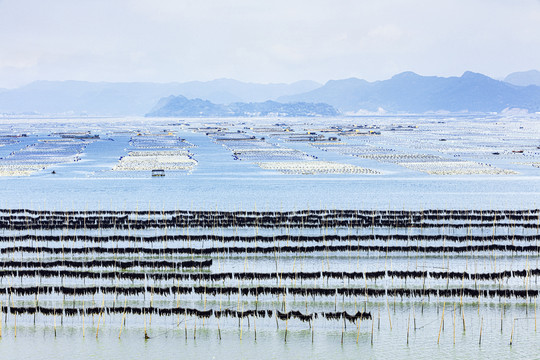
403	93
180	106
412	93
102	98
524	78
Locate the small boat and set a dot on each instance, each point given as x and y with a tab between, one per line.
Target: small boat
158	172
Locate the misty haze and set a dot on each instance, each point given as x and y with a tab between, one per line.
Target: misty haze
269	180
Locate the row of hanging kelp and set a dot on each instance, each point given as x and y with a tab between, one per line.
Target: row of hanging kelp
285	269
106	264
249	250
444	214
250	276
265	290
186	311
23	220
80	238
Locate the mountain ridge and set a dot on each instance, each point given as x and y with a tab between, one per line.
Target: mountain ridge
132	98
180	106
413	93
524	78
406	92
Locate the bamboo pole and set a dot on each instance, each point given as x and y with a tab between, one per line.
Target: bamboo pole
83	313
242	321
123	317
342	330
286	328
512	333
481	326
178	302
454	324
414	317
219	330
312	330
389	318
371	332
99	318
151	304
442	323
463	319
502	313
408	326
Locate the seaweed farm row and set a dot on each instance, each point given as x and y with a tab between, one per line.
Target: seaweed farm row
316	275
437	213
251	250
26	219
42	154
285	160
357	273
157	151
270	239
493	147
268	290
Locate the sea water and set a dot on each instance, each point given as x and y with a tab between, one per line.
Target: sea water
219	182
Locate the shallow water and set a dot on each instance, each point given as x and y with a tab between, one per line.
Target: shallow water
220	182
170	342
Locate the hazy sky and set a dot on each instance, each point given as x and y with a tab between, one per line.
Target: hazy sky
263	41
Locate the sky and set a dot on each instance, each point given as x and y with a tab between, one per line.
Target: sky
264	41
